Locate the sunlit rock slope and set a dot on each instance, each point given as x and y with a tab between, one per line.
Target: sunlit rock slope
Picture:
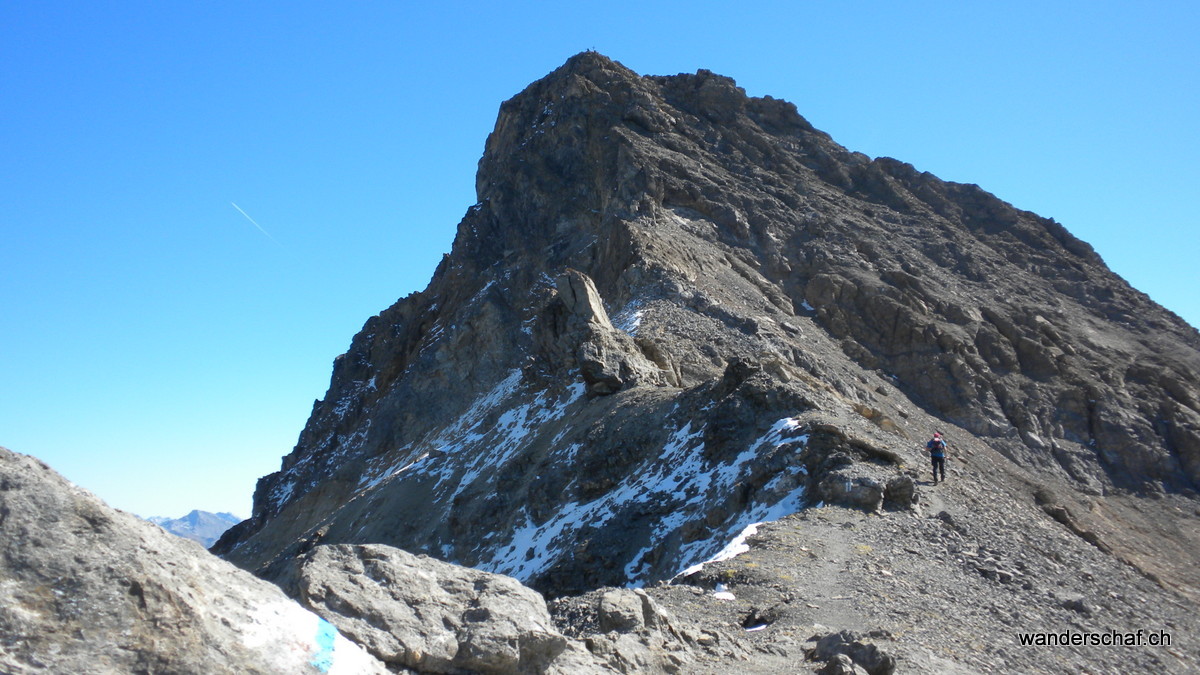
85	588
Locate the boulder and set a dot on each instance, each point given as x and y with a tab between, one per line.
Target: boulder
865	654
627	631
85	588
579	295
852	486
840	664
417	612
631	611
900	492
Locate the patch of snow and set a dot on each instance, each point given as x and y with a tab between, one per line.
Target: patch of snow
568	453
679	475
295	637
459	429
791	502
507	435
630	316
479	294
807	307
631	324
733	549
354	393
372	483
281	493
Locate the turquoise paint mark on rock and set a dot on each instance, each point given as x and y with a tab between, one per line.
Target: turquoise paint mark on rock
326	635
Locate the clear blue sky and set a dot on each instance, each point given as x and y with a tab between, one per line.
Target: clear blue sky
161	350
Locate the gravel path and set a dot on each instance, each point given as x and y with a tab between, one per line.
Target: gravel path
947	587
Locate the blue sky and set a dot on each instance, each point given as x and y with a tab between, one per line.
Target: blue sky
159	349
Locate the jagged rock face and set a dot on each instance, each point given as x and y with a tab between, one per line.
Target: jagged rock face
677	310
85	588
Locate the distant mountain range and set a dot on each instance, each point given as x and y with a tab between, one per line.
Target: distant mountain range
199	526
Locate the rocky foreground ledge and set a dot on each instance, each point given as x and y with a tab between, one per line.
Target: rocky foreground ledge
938	586
85	588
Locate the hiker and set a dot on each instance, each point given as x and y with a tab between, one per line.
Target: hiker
937	454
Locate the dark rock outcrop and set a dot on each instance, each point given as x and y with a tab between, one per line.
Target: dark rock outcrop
864	654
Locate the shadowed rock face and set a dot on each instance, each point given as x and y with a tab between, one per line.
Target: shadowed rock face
677	310
85	588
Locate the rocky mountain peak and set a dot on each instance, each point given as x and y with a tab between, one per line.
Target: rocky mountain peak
677	310
201	527
688	345
582	150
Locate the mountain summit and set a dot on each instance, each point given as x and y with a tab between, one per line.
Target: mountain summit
201	527
677	310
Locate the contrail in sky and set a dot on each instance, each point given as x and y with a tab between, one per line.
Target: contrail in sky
260	228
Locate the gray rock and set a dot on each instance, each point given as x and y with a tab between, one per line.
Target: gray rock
630	611
900	492
578	293
852	487
627	631
840	664
608	359
621	611
1076	602
865	654
421	613
85	588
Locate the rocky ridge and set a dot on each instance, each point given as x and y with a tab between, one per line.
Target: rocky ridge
677	311
769	292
